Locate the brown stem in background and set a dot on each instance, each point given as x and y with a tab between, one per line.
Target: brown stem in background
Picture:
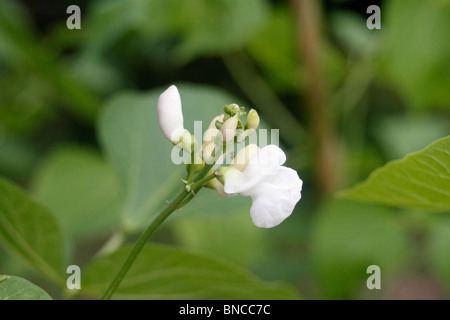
321	128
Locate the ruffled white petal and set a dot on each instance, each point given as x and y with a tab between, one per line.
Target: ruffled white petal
263	164
274	201
275	189
170	114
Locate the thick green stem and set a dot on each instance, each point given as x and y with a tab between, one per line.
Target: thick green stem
171	207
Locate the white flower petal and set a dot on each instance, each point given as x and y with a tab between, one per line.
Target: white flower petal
275	199
288	179
170	114
265	163
275	189
235	181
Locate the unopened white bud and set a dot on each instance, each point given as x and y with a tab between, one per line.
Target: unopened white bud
170	115
229	129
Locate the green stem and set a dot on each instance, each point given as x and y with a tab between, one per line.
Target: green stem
204	172
202	181
191	166
189	198
191	173
171	207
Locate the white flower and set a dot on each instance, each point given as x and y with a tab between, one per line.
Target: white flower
275	189
170	114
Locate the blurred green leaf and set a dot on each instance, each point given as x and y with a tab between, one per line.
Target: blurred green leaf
420	180
30	231
197	27
347	237
212	234
81	189
219	26
15	288
132	139
37	81
350	30
439	255
163	272
17	157
14	30
280	61
416	34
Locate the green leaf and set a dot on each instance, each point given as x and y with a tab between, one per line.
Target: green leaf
439	256
216	27
17	157
212	234
30	231
177	29
420	180
280	62
349	236
417	61
163	272
15	288
351	31
81	189
132	139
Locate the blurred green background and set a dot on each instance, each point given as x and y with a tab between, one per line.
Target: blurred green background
345	98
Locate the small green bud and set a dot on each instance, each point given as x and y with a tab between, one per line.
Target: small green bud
219	124
231	109
213	122
252	120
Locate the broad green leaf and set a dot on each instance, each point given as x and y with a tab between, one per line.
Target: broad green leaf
81	189
163	272
30	231
420	180
15	288
132	139
347	237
